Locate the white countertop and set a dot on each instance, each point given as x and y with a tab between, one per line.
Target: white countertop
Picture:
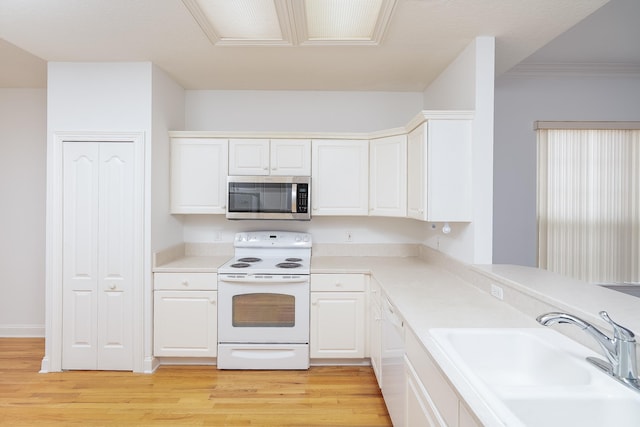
195	264
429	296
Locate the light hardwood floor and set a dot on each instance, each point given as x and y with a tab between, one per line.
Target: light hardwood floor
183	396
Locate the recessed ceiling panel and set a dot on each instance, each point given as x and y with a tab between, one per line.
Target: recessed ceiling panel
243	19
342	20
242	22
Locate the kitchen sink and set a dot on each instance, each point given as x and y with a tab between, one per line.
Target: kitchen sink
580	411
514	357
532	377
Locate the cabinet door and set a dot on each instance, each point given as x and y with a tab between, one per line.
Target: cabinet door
419	412
291	157
449	170
198	175
337	325
388	176
416	181
185	323
248	157
439	171
340	177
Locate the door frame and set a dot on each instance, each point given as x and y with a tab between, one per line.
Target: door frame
52	360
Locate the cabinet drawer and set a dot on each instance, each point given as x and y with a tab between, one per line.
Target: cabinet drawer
185	281
337	282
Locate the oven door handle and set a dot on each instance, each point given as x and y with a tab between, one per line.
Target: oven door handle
262	278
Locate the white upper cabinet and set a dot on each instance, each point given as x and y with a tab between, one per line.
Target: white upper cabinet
439	171
388	176
198	175
291	157
270	157
340	177
248	157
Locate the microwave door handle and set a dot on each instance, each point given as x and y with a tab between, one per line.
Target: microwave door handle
294	198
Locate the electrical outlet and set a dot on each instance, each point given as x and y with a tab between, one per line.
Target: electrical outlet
496	291
348	236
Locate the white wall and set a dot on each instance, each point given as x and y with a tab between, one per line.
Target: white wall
99	96
468	84
23	151
324	229
167	114
522	99
299	111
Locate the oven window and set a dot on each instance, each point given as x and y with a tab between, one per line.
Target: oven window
263	310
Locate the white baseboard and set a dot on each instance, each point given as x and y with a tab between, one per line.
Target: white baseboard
22	331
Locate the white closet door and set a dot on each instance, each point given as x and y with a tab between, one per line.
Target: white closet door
80	255
115	256
98	215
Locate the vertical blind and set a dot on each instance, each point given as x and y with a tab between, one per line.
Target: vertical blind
589	203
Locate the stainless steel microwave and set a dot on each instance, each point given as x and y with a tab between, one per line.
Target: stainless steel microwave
269	197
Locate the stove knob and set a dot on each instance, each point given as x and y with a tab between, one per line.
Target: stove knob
306	238
298	238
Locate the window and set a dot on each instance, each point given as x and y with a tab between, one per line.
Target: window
589	200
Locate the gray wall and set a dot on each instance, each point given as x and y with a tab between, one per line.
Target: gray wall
520	100
23	151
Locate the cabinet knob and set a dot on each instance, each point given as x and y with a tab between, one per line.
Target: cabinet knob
212	301
338	284
112	286
185	283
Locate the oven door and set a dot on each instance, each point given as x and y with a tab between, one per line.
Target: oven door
253	310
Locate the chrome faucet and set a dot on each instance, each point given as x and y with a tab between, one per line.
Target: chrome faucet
620	350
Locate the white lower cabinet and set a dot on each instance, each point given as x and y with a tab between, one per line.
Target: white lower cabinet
420	411
337	323
185	315
430	397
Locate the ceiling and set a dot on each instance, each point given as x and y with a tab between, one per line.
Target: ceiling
423	37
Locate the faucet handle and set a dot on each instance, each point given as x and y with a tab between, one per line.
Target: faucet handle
619	331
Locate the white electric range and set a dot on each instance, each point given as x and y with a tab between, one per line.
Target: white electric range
263	302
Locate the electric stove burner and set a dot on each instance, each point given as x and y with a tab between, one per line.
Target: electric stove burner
250	259
240	265
293	259
288	265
